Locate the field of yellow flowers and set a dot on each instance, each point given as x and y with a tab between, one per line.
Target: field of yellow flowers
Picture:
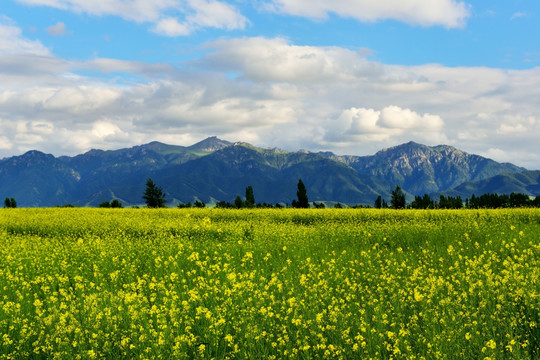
269	284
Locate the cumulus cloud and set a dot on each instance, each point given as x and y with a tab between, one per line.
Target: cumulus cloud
263	59
216	14
448	13
5	143
169	17
361	124
324	98
394	117
58	29
516	124
171	27
103	129
14	43
135	10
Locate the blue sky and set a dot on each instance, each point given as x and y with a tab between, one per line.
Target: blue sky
346	76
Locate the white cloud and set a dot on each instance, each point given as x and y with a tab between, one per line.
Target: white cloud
324	98
171	27
362	120
78	100
388	124
448	13
216	14
42	127
512	155
170	17
511	129
394	117
58	29
518	15
5	143
12	41
102	129
516	124
264	59
135	10
23	139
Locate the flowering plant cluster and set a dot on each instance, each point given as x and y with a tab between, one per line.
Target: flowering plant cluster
276	284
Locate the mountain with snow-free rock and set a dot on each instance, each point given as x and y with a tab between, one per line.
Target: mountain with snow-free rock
215	170
526	182
422	169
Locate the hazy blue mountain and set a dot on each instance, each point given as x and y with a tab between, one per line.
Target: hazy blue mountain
214	170
526	182
272	173
421	169
37	179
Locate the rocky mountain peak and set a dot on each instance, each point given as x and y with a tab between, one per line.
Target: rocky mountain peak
210	144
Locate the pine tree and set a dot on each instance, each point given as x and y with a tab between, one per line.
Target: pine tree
116	203
153	195
398	198
303	202
378	202
250	197
10	203
238	202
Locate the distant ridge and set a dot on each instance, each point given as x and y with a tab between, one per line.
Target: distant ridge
215	169
421	169
210	145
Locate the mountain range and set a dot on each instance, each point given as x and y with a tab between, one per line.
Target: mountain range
214	170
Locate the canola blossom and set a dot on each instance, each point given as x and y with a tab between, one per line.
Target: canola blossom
269	284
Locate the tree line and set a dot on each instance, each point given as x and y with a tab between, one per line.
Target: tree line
485	201
154	197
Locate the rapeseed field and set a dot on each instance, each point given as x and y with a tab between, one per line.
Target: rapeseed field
269	284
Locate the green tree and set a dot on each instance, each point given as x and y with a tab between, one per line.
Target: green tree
105	204
199	204
116	203
10	203
303	202
250	197
398	198
378	202
153	195
238	202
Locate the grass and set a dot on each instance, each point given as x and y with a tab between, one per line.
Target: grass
236	284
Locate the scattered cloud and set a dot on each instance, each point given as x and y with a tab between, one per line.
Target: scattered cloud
405	119
516	124
12	41
171	27
169	17
134	10
447	13
282	94
215	14
5	144
103	129
519	14
58	30
361	124
276	60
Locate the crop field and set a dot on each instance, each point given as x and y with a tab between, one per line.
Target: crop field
269	284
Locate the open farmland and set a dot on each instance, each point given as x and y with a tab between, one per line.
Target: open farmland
269	284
